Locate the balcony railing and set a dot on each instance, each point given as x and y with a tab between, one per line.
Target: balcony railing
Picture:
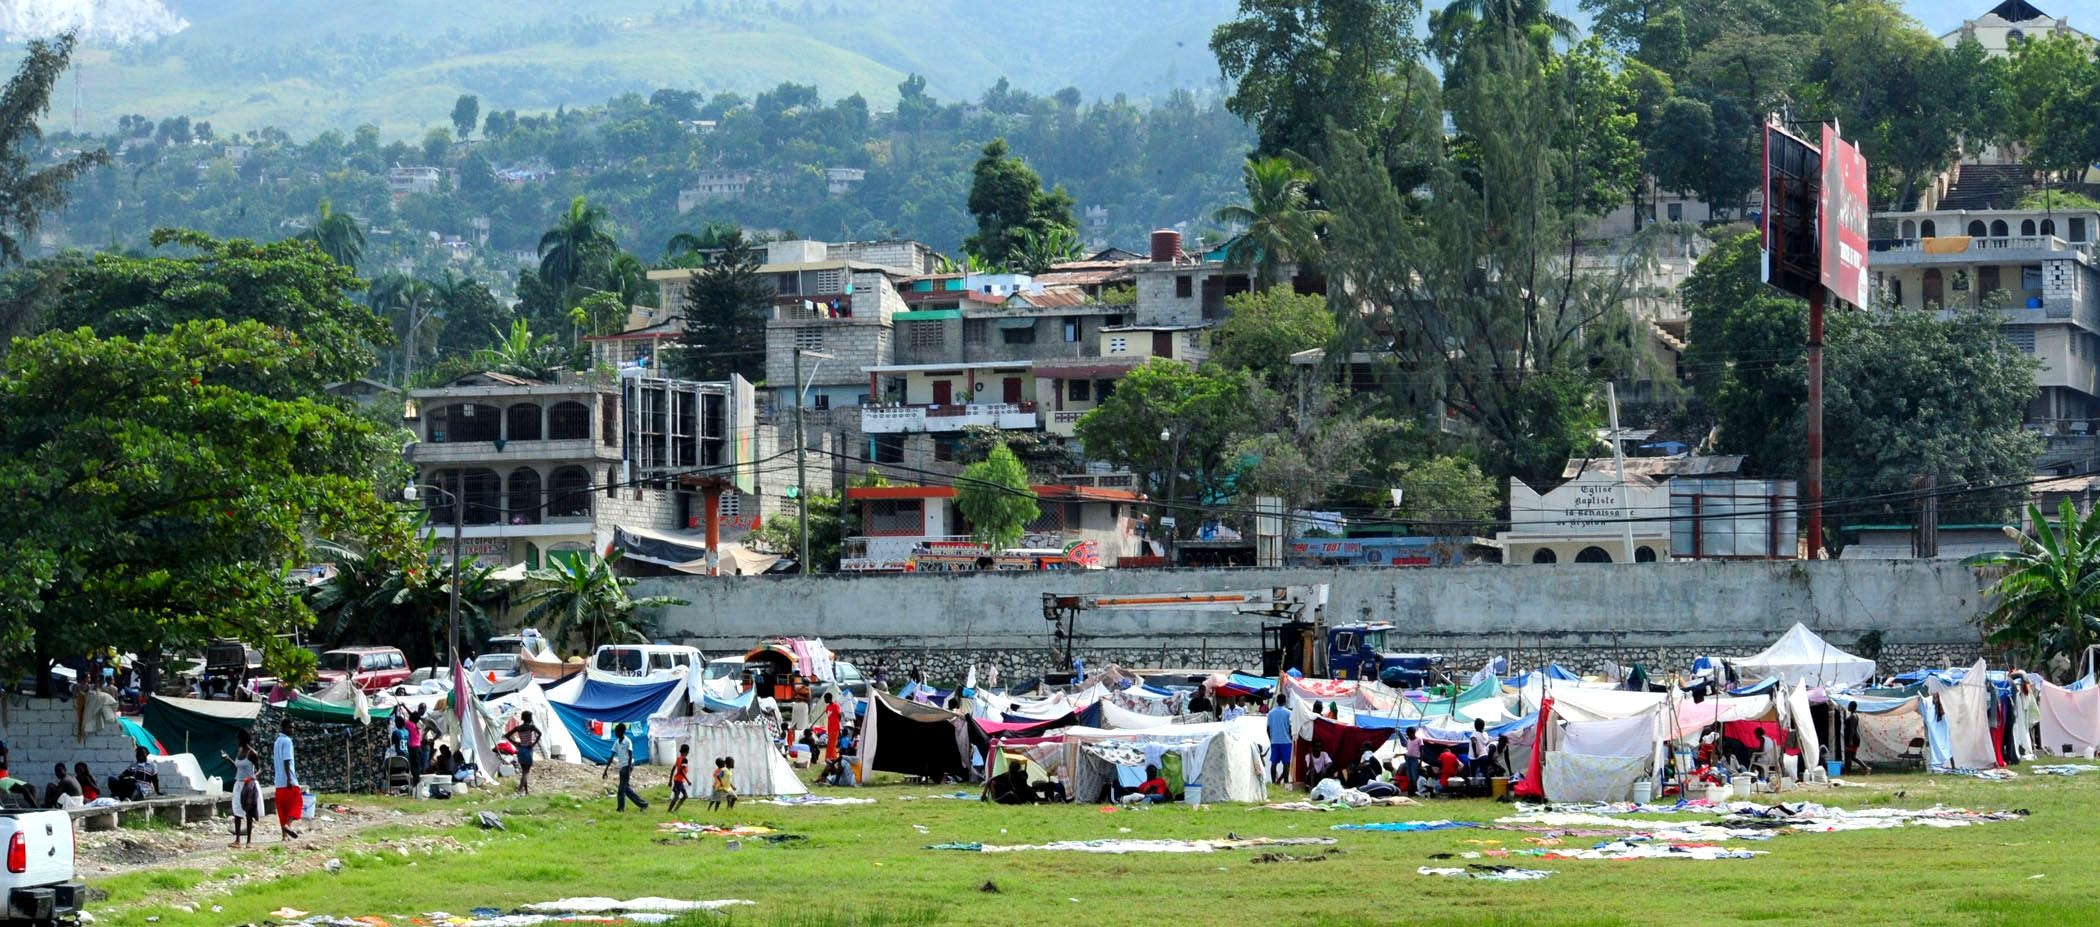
896	419
1945	245
1066	422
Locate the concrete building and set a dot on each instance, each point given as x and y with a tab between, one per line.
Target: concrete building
1679	508
2007	25
900	525
715	183
403	181
543	468
1970	245
841	180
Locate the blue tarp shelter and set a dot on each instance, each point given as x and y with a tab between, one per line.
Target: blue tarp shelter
590	714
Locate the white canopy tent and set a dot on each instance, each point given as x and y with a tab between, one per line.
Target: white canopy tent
1803	657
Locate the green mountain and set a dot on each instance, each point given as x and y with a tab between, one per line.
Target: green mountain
308	65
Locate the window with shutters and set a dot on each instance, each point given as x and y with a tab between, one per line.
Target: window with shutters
1017	335
809	339
973	331
927	334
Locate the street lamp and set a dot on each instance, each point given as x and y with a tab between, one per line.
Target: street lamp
452	610
1168	523
802	448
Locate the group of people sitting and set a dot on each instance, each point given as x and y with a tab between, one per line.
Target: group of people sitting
1417	768
78	787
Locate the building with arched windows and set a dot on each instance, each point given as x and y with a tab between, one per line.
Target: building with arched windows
543	468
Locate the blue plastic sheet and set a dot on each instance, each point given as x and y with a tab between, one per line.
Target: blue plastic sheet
605	701
737	704
1406	827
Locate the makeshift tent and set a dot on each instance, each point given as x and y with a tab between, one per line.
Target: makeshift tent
1344	744
1240	685
1120	718
1802	656
1227	759
141	737
589	707
736	704
913	739
502	713
202	728
1966	707
2070	719
760	769
1897	730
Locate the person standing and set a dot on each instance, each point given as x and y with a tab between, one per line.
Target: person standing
1279	742
681	775
414	723
524	738
1411	762
247	795
831	727
725	783
1479	748
623	757
291	799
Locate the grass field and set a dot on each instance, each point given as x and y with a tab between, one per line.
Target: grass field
868	865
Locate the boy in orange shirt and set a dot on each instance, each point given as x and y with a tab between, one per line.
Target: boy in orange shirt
680	778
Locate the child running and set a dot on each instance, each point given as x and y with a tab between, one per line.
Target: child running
725	783
680	778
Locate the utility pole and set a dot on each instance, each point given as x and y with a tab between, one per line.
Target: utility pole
802	456
1618	456
459	512
1170	524
1812	475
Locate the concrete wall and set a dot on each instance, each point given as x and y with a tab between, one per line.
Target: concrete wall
39	732
1922	609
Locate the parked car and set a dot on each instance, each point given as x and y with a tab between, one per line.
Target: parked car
373	669
37	883
849	678
503	665
649	660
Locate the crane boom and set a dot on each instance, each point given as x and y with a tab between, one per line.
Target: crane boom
1297	606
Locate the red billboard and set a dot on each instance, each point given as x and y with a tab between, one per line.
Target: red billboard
1843	222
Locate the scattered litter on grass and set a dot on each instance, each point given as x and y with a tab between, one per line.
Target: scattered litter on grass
2065	769
957	796
1806	816
1406	827
1320	857
692	830
813	800
1139	846
1487	873
596	905
921	828
1395	801
491	821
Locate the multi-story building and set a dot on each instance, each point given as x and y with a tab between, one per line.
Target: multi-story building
1970	245
715	183
2007	25
540	468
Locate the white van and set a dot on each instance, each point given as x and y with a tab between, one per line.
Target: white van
647	660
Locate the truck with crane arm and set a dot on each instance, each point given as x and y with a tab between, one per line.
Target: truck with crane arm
1295	636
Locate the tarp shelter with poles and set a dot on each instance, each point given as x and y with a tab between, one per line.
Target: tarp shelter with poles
1802	656
1226	759
914	739
203	729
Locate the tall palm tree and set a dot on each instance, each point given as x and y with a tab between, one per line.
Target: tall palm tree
580	242
1282	226
413	306
2049	594
1035	253
337	235
690	249
584	604
370	599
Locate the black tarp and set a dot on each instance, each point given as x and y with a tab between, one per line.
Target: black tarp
914	739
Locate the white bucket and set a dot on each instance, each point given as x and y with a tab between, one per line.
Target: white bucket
1192	794
1718	794
662	750
1744	786
1643	791
1792	767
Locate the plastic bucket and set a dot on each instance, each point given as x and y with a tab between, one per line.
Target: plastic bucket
1717	793
1834	768
306	807
662	750
1744	786
1192	794
1498	786
1643	791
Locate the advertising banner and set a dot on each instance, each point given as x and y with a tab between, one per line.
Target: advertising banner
1844	219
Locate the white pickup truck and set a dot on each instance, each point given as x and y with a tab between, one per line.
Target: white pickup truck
37	881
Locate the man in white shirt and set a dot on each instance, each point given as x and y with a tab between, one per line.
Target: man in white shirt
1478	746
623	757
290	798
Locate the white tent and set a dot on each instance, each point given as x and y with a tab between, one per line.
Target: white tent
1801	656
760	769
1227	758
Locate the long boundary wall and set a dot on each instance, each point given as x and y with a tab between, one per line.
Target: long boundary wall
1582	613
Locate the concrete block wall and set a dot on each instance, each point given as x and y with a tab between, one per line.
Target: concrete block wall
1727	608
39	732
855	343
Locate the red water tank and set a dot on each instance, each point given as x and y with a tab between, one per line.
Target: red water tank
1166	246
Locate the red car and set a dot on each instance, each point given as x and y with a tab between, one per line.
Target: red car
372	669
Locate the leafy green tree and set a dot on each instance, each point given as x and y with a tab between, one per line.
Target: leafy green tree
164	485
27	191
995	496
2048	103
1279	223
584	603
1470	284
1007	197
470	313
1298	67
405	602
2047	595
1443	495
782	534
691	249
1881	75
1208	411
1266	327
1044	456
1745	357
465	112
1304	439
1036	253
289	286
337	235
578	246
726	307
